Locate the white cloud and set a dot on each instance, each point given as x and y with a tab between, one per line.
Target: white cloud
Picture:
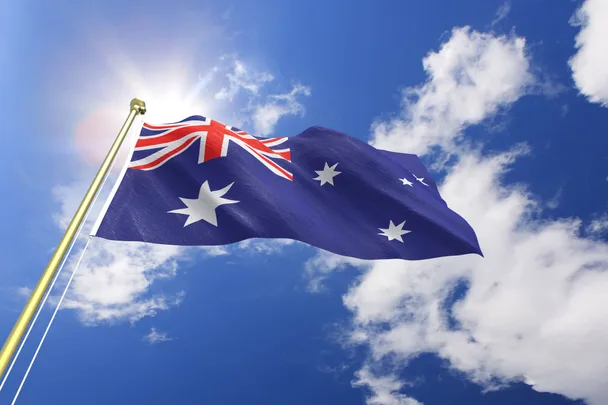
318	268
69	196
384	390
264	246
535	302
112	282
502	13
214	250
156	336
240	77
471	77
24	291
553	203
266	115
598	226
590	63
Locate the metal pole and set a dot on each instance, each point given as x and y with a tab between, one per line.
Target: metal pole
11	343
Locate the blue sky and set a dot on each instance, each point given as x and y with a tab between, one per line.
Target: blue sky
507	105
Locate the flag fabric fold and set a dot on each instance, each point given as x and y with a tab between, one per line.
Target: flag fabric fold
200	183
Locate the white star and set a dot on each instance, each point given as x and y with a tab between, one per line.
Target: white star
394	232
406	182
327	174
421	180
203	207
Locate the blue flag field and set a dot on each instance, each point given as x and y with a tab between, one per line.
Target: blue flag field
199	183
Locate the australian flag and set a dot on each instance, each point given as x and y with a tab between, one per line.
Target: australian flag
199	182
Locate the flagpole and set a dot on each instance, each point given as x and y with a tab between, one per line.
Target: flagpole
10	345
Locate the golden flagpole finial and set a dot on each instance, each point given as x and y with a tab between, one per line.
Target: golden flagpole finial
137	107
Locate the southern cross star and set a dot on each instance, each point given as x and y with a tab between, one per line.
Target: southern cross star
406	182
394	232
421	180
203	207
327	174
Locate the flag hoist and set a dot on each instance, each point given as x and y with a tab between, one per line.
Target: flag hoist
137	107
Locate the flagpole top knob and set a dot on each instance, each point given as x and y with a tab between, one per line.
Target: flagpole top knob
138	105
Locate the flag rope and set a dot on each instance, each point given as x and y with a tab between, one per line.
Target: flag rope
65	290
43	303
59	271
137	107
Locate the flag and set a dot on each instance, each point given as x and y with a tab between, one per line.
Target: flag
197	182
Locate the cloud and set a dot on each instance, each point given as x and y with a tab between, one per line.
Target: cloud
534	303
156	336
24	291
553	203
70	195
266	115
263	246
384	390
598	226
590	63
112	281
242	78
502	13
263	109
318	268
215	250
472	77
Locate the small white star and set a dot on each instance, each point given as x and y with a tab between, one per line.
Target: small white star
420	180
327	174
394	232
406	182
203	207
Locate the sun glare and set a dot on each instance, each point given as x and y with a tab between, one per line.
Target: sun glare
176	76
171	93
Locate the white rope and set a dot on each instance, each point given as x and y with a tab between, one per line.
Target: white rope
46	296
53	284
50	322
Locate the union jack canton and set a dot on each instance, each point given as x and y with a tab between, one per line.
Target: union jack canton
168	141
